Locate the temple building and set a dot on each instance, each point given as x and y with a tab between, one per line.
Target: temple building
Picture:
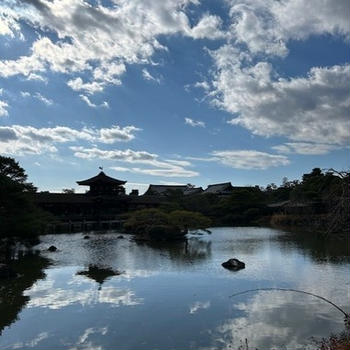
106	199
164	190
102	184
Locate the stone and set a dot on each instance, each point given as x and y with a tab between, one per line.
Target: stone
86	237
233	264
52	248
120	237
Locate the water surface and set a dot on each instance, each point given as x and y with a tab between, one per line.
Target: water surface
175	295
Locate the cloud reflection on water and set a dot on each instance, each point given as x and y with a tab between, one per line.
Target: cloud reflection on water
74	291
274	320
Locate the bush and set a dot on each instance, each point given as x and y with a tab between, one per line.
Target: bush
157	224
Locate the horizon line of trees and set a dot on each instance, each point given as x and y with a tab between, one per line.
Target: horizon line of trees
330	189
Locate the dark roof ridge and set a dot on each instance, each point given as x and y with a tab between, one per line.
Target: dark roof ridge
101	176
221	183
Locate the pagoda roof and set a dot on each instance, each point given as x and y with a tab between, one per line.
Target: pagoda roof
100	178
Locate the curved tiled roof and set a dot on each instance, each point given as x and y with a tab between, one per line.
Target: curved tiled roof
101	178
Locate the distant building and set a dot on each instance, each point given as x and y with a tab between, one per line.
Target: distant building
106	198
164	190
224	189
102	184
219	189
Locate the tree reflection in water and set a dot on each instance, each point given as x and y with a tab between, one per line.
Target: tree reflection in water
29	266
191	250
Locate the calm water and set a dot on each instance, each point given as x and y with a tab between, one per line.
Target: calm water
175	295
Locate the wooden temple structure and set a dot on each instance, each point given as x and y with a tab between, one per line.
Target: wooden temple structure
106	199
102	184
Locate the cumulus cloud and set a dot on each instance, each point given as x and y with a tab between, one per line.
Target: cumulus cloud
312	108
20	140
90	88
265	26
164	168
194	123
249	159
208	27
110	37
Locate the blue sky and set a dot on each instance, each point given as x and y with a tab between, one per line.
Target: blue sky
174	91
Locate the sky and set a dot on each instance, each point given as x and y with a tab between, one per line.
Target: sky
174	91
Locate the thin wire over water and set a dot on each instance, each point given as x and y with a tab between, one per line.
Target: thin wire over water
347	316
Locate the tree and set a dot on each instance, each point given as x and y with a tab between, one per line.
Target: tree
10	170
187	220
164	226
18	214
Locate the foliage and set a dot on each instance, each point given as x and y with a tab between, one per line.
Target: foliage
18	214
159	224
188	220
321	195
12	173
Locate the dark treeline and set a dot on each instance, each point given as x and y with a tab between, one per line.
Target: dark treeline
319	201
19	216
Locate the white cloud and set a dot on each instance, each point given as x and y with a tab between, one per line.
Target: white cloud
90	88
38	77
25	94
147	76
98	38
127	155
305	148
116	133
208	27
3	108
194	123
43	99
38	96
172	183
249	159
86	99
20	140
265	26
164	168
166	171
202	84
312	108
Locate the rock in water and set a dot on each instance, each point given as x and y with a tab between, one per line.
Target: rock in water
233	264
86	237
52	248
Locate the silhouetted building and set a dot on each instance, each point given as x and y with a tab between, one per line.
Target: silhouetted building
219	189
102	184
164	190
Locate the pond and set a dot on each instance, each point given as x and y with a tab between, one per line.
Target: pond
176	295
